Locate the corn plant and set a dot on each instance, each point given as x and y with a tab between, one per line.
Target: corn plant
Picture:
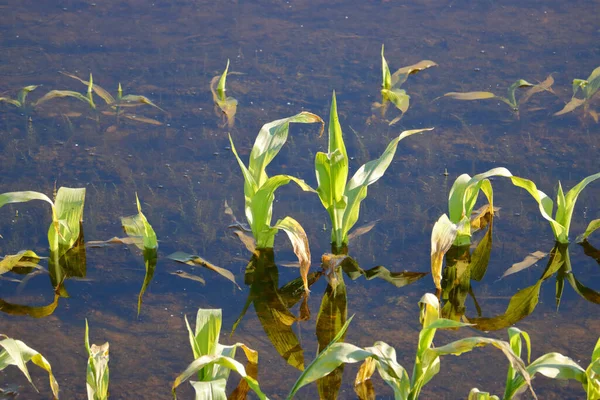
15	352
120	103
553	366
213	361
589	89
259	188
67	215
97	376
340	197
390	86
225	106
382	357
510	98
19	102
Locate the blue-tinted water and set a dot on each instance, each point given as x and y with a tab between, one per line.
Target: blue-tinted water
291	56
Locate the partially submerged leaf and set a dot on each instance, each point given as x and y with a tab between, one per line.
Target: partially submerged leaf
66	229
22	258
97	377
361	230
194	260
592	226
135	240
470	95
570	106
185	275
545	85
107	97
401	75
529	260
54	94
137	226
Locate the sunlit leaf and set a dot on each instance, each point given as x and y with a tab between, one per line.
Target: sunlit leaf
443	235
97	369
401	75
476	394
135	100
31	311
530	259
17	353
107	97
55	94
194	260
137	226
17	260
68	205
299	241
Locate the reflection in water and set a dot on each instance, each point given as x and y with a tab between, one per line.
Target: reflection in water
72	264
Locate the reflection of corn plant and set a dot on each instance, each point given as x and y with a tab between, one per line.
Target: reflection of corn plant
67	215
97	376
340	197
21	97
224	106
383	357
259	189
510	99
15	352
589	88
390	86
213	361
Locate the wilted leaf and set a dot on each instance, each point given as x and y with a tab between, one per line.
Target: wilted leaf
55	94
31	311
185	275
530	260
401	75
139	118
470	95
150	258
299	241
107	97
545	85
442	236
137	241
194	260
133	100
570	106
246	239
22	258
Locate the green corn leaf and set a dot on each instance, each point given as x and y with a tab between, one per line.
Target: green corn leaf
221	85
386	80
22	258
226	362
270	139
17	353
211	390
398	97
8	100
22	197
66	230
356	188
138	227
22	95
511	92
592	226
204	339
551	365
564	215
476	394
150	258
97	369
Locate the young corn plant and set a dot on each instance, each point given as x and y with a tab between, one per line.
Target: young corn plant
19	102
213	361
382	357
97	376
87	98
15	352
340	197
119	104
259	188
510	99
390	86
589	89
67	215
225	106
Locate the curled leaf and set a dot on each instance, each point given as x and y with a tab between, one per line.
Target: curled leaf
442	236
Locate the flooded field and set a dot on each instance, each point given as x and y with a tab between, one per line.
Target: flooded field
129	97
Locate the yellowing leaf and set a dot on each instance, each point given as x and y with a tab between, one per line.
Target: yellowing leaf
299	241
530	260
442	236
470	95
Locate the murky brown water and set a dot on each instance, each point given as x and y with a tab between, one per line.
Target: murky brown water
292	55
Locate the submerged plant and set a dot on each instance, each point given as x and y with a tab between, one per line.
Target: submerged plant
225	106
213	361
382	357
589	89
87	98
97	376
15	352
21	97
259	188
340	197
510	99
119	104
390	86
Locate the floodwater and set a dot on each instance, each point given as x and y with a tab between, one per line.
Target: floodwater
290	55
